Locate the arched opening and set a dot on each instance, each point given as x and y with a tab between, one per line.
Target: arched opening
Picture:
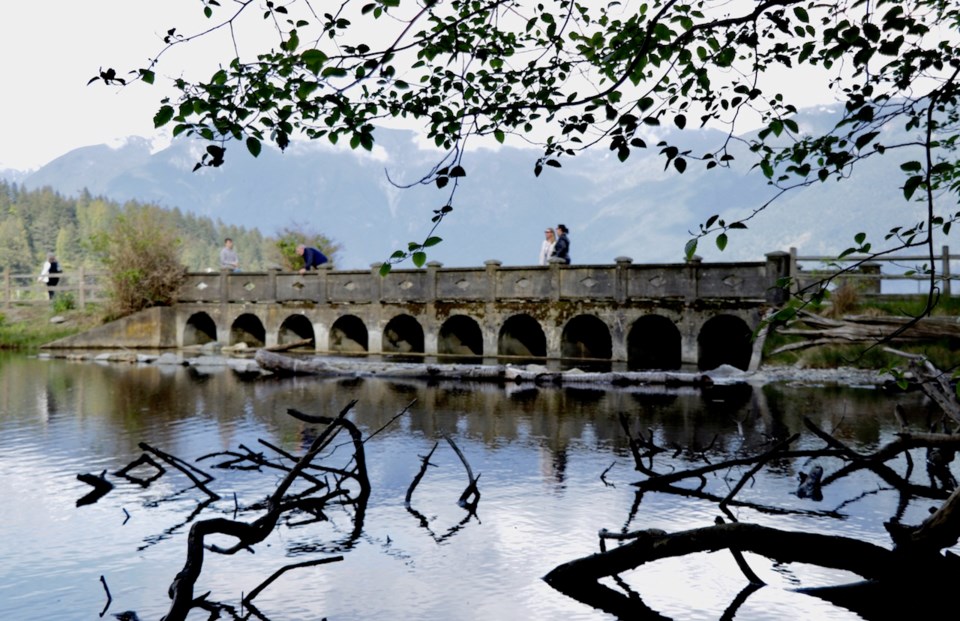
200	330
403	335
522	336
296	329
653	343
248	329
348	335
724	339
585	336
460	336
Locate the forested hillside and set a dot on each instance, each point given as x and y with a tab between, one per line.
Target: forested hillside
35	222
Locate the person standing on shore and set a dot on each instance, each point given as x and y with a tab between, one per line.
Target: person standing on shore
50	267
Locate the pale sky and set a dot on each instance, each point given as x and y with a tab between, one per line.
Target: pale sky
51	48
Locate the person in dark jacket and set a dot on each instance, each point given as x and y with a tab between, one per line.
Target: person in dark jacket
48	274
312	258
561	248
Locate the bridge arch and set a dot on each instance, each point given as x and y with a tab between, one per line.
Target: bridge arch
295	328
200	329
403	335
460	335
654	342
724	339
522	335
586	336
348	335
248	329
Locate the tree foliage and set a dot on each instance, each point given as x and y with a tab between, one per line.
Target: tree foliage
568	75
141	253
26	235
291	236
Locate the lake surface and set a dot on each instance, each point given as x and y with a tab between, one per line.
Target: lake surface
554	465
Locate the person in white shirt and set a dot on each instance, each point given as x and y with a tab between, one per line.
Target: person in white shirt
546	249
48	274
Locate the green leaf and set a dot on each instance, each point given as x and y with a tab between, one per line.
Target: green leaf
385	269
499	135
253	146
865	139
722	241
314	60
432	241
163	116
147	76
690	248
911	186
419	258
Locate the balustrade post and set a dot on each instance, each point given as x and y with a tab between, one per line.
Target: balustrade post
779	265
693	273
621	291
554	264
431	289
6	287
377	289
945	270
225	284
492	266
323	294
271	292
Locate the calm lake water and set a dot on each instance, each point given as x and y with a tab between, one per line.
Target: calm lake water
554	467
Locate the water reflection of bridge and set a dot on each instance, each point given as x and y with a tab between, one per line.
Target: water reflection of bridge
649	316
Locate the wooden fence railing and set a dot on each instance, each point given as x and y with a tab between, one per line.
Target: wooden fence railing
83	285
875	272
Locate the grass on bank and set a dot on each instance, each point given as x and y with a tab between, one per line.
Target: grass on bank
847	301
28	326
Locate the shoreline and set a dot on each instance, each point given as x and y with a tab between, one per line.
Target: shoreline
267	364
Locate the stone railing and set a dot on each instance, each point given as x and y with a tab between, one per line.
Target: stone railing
618	282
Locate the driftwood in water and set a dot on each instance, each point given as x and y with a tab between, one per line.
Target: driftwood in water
289	346
327	367
101	486
248	534
817	330
809	486
915	564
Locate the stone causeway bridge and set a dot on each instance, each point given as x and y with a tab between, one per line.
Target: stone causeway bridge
651	316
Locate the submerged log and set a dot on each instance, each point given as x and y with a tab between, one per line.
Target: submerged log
535	374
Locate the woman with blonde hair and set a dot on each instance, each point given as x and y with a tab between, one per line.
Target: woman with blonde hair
546	249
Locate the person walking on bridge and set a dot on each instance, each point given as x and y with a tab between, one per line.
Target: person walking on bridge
561	249
312	258
546	249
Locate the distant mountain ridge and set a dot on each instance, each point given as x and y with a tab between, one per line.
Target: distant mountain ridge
633	209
